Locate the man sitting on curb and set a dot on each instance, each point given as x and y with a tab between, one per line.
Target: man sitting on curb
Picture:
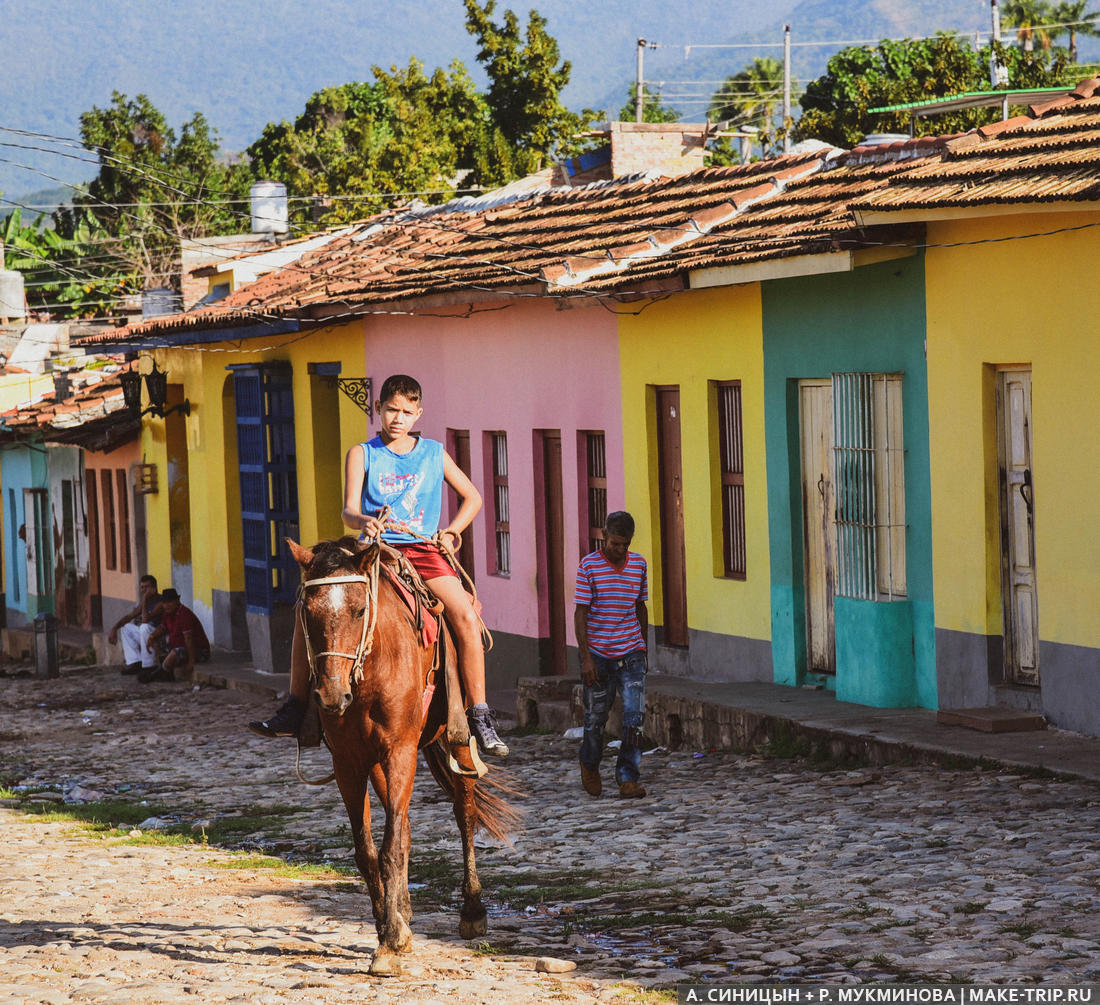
612	625
187	643
133	630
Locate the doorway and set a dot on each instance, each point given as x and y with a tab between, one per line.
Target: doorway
551	553
671	499
1021	621
815	405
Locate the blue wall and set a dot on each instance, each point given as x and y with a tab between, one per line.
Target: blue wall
21	468
873	320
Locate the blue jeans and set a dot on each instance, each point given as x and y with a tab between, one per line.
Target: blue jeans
626	674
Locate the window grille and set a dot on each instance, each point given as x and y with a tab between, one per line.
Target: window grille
13	515
458	444
595	491
732	461
502	533
107	493
869	458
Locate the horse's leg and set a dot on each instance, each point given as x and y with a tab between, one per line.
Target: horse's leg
404	903
353	789
472	918
393	782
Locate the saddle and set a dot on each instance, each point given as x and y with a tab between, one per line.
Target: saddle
428	617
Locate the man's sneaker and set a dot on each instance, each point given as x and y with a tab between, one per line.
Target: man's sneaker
631	790
483	725
150	674
590	779
285	722
131	669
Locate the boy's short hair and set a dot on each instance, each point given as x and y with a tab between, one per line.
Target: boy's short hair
148	579
403	384
620	523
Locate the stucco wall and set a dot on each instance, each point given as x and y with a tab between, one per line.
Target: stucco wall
871	319
691	340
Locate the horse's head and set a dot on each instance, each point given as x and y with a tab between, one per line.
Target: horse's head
334	616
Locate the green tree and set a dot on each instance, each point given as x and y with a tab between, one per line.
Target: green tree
754	97
1078	21
653	109
835	106
1029	17
525	83
77	276
152	190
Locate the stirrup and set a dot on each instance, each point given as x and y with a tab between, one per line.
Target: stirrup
478	769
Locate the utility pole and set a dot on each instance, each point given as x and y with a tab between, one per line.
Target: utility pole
998	72
787	88
640	86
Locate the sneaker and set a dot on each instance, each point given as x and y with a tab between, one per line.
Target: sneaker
631	790
590	780
483	725
131	669
286	722
150	674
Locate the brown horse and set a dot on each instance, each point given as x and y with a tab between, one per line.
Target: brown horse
368	673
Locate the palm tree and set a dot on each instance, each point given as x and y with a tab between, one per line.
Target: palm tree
1077	21
1029	16
753	96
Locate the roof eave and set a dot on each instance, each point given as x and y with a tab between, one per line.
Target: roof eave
868	216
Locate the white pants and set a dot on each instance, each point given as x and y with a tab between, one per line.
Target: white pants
134	638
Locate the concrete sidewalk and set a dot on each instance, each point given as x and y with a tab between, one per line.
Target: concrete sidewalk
684	714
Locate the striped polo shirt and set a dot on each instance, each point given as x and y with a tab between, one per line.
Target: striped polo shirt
610	595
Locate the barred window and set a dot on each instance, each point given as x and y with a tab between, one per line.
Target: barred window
499	442
869	457
732	475
595	500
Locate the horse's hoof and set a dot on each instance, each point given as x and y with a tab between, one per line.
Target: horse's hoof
472	928
385	963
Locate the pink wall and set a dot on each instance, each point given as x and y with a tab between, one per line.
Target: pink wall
523	368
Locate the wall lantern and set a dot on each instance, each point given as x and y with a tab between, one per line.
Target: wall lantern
156	384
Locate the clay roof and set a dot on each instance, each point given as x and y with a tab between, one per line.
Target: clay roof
94	415
640	235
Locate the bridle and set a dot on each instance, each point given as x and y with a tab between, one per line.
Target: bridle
370	618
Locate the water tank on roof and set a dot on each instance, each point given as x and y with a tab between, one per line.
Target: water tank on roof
158	301
11	290
11	294
269	208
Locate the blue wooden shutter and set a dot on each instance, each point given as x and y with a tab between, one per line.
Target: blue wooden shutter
269	482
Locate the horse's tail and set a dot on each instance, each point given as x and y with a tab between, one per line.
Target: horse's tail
493	793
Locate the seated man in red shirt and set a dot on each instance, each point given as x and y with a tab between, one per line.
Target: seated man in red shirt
187	642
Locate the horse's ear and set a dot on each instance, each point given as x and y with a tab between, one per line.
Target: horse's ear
303	556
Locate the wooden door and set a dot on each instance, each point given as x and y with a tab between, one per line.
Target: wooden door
1021	620
818	519
551	556
673	574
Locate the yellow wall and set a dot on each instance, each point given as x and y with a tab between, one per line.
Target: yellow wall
217	560
1033	301
690	340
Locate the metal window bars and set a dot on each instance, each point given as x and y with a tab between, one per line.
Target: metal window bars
500	503
869	462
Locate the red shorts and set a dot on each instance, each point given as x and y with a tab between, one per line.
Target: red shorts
427	560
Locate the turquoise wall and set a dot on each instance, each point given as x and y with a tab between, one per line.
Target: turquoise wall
871	319
21	468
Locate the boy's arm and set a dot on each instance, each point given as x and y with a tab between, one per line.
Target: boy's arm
470	498
643	623
353	495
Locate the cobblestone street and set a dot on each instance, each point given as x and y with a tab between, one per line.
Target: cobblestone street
734	867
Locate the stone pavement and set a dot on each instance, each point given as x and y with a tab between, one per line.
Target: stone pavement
734	867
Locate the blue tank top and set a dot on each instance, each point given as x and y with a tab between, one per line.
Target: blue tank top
410	484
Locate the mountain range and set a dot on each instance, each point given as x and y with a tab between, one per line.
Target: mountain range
245	63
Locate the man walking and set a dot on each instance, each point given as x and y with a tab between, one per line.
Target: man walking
612	625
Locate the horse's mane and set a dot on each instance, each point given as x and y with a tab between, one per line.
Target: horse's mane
336	555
